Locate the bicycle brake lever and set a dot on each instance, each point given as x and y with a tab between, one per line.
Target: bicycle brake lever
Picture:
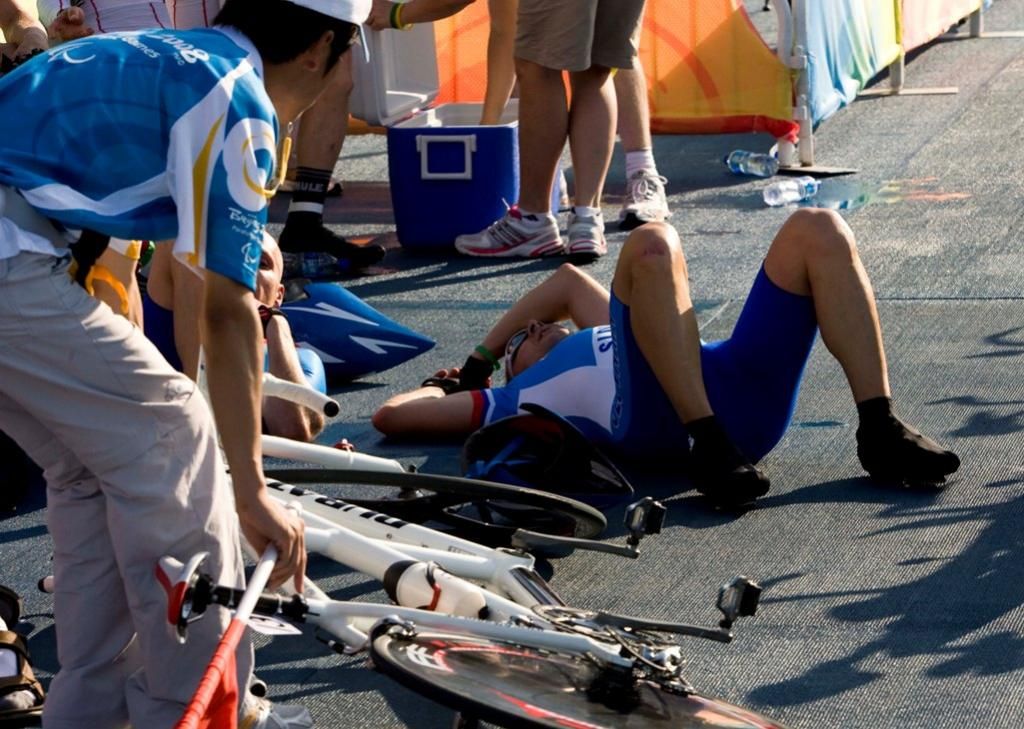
626	621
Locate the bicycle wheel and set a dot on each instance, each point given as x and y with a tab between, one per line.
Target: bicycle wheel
521	686
499	509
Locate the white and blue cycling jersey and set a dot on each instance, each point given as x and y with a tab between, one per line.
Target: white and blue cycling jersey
576	379
155	135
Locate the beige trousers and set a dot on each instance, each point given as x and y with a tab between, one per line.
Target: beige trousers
133	473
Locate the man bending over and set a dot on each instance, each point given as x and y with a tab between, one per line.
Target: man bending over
638	378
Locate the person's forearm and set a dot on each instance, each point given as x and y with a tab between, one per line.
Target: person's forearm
426	411
568	294
231	334
282	417
426	11
18	17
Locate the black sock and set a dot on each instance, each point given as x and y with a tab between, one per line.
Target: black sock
719	469
308	198
890	449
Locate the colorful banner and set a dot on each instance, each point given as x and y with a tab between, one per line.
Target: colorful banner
848	42
925	20
708	70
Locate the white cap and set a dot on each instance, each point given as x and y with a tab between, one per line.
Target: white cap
354	11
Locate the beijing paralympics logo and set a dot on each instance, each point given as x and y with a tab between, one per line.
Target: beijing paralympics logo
247	180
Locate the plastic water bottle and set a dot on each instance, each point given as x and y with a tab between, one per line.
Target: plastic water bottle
758	164
794	189
313	265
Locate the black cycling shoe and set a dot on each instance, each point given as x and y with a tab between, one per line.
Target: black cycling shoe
896	452
719	470
318	238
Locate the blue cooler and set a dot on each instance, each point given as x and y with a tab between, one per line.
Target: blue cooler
448	174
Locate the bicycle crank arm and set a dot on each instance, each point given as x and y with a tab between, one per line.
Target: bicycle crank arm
695	631
527	540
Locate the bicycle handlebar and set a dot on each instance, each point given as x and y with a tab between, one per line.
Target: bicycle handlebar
300	395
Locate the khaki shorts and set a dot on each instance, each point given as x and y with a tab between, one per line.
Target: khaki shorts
573	35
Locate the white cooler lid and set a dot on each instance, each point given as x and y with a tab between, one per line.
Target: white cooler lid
400	77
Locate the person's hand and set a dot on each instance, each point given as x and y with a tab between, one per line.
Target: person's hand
380	15
265	521
33	41
475	374
69	25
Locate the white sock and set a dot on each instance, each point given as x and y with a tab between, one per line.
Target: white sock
541	218
642	159
582	211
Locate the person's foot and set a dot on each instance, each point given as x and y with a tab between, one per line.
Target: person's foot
514	234
586	237
645	200
719	469
892	451
312	236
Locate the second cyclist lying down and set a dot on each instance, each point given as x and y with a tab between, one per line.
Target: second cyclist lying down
636	376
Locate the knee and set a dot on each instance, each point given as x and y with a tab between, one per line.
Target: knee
652	248
818	234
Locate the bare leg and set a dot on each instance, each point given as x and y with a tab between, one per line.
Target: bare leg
324	125
591	132
501	70
814	254
634	124
651	279
543	126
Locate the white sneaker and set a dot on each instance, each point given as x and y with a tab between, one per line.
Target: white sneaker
514	234
586	237
261	714
645	200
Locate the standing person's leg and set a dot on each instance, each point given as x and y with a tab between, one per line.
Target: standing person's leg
321	136
501	69
591	139
651	286
645	189
145	435
551	35
95	647
815	254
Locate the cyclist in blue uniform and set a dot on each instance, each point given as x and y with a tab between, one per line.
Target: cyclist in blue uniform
148	135
636	376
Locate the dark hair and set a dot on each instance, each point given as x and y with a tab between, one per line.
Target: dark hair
282	30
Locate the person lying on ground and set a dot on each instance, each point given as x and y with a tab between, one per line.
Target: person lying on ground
177	335
638	378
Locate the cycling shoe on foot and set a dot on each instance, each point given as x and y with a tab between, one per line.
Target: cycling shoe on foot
899	453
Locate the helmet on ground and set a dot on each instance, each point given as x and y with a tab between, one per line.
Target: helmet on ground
544	451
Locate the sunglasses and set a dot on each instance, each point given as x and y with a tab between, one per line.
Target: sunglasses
512	348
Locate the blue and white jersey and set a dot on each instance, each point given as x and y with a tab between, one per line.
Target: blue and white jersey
576	380
146	135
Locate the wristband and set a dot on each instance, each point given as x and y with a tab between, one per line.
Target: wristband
486	354
446	384
396	18
266	314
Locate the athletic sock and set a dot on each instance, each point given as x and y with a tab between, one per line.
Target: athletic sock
310	192
583	211
305	232
890	449
641	159
720	470
532	219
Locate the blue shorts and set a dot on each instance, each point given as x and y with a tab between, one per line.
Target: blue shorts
752	378
158	324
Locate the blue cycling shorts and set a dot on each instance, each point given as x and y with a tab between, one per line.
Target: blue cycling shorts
752	378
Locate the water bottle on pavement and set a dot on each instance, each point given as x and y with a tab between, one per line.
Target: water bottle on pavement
313	265
741	162
792	190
